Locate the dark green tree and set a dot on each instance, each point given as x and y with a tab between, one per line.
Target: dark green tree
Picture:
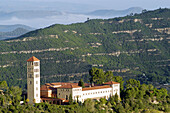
89	105
132	83
81	83
97	76
70	99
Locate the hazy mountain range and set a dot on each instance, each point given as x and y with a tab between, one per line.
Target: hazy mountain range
112	13
8	28
44	18
12	31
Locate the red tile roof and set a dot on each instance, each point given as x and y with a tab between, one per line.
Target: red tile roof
33	58
111	82
46	87
96	87
62	83
50	86
69	86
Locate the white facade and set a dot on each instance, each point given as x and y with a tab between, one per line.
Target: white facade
33	81
77	92
95	92
64	90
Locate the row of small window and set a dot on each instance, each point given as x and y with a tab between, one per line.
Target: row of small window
35	70
97	92
31	82
77	90
65	90
31	63
31	75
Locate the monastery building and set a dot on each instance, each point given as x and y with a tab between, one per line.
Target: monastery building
57	93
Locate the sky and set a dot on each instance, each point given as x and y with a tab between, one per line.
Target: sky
122	4
106	4
75	9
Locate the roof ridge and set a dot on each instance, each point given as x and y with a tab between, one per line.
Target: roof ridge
33	58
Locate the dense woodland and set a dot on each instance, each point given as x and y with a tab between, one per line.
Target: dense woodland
135	46
135	97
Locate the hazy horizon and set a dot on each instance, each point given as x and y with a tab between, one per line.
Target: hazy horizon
67	10
93	4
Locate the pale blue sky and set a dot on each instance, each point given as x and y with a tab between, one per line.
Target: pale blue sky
103	4
122	4
77	8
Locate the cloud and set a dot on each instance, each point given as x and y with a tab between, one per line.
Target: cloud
44	22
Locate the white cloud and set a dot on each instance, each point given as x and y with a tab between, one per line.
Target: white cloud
44	22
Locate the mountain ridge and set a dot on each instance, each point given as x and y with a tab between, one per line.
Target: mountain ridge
8	28
13	31
48	17
130	46
114	13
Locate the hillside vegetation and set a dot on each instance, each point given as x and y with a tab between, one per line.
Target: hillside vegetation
134	46
135	98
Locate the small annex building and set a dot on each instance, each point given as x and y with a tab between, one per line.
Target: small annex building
58	93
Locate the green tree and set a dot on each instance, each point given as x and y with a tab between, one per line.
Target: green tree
97	76
81	83
132	83
70	99
116	98
3	85
108	75
89	105
15	93
103	100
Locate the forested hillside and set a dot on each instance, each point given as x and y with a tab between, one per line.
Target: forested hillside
135	46
135	98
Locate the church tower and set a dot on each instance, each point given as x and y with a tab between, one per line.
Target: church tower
33	80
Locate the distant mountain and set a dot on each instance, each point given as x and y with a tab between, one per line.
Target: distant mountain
108	13
28	14
8	28
44	18
12	31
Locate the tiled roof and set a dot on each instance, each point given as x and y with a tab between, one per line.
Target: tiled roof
111	82
69	86
96	87
65	83
62	83
33	58
46	87
50	86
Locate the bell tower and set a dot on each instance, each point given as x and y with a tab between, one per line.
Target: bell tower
33	80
